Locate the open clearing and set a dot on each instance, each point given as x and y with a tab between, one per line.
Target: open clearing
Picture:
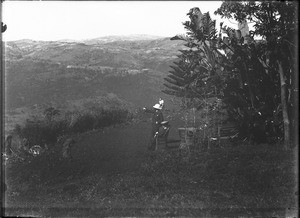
113	174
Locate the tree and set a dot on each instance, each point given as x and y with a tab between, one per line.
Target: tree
277	24
237	69
203	72
194	74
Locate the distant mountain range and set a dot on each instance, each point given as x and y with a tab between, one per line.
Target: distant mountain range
135	37
102	39
131	68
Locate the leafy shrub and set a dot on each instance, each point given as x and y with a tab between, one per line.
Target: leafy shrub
83	123
43	131
100	118
40	131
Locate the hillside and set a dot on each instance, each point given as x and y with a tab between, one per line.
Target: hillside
56	72
110	172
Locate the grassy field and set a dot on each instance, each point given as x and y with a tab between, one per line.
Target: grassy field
112	174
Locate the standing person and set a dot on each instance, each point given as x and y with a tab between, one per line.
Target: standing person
157	118
162	134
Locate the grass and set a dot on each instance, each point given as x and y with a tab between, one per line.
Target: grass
247	180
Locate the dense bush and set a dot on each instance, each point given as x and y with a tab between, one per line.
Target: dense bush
47	130
99	119
40	131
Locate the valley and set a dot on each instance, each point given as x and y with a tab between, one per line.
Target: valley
70	74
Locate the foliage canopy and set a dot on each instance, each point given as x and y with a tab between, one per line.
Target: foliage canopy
254	79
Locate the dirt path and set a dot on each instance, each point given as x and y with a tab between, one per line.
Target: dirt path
113	150
122	148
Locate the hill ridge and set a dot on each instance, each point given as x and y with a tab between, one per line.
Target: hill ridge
54	71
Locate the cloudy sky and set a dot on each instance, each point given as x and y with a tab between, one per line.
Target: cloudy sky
55	20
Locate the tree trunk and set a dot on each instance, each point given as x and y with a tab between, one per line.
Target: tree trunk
284	103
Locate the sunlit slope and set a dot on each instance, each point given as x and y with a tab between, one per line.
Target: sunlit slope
38	72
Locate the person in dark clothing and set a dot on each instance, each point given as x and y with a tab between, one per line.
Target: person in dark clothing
165	126
162	134
157	118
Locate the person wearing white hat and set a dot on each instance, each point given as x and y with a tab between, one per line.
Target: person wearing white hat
157	118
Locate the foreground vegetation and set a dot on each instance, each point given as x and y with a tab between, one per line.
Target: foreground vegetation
243	180
48	129
255	80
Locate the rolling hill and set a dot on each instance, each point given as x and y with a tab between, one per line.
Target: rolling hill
131	68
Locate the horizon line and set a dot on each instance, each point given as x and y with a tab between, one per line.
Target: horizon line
94	38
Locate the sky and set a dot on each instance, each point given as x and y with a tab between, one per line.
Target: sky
77	20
